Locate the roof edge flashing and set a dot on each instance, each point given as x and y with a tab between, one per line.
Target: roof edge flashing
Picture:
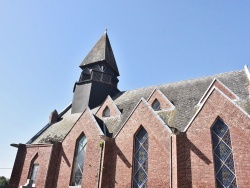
247	72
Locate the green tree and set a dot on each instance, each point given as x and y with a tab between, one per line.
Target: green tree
4	182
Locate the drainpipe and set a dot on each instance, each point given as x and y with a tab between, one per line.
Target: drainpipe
170	160
102	145
100	165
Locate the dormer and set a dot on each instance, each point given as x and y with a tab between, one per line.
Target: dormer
158	101
106	112
219	85
108	109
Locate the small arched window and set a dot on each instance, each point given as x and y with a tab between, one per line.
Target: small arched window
34	167
33	173
156	105
80	153
223	155
106	112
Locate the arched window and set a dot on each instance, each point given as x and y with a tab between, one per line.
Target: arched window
34	167
33	173
80	152
106	112
223	155
156	105
140	168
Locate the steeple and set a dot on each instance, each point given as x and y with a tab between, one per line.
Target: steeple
98	78
101	52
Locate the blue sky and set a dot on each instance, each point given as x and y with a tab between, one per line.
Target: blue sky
42	43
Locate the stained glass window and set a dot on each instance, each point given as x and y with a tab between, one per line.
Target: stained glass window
156	105
106	112
223	156
140	168
34	172
80	152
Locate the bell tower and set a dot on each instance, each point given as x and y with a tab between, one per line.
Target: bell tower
98	78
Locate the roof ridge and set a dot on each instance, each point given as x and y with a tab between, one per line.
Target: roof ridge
186	80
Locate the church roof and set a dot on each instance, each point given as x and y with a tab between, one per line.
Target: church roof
184	95
102	51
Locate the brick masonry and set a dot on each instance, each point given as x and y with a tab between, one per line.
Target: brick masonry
191	164
159	149
85	125
195	154
165	103
114	111
34	154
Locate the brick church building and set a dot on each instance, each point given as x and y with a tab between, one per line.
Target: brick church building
193	133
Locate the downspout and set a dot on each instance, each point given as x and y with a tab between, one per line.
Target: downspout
100	165
171	160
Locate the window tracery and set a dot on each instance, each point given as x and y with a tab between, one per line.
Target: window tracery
80	153
140	168
223	155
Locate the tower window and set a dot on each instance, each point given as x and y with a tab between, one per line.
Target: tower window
156	105
140	168
80	153
106	112
34	172
223	155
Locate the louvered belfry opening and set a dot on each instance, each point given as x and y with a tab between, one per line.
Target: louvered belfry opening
98	78
223	155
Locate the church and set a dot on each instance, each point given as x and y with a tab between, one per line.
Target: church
192	133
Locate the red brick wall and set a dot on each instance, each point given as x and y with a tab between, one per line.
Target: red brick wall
18	166
52	173
158	157
192	161
85	125
109	164
39	154
44	155
195	155
174	162
221	88
165	104
112	107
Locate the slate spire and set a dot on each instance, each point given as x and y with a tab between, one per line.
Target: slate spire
101	52
98	78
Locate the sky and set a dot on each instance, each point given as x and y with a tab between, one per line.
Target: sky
42	44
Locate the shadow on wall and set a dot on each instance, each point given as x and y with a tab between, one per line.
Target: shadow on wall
184	148
18	166
112	151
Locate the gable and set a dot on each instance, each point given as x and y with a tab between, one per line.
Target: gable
165	104
216	83
108	103
218	102
144	114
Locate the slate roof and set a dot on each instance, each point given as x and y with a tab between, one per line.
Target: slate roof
57	131
185	96
102	51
